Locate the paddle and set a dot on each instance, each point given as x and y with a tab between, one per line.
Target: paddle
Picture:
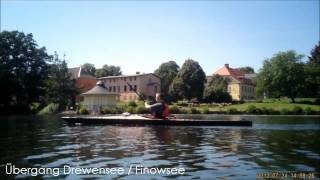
139	94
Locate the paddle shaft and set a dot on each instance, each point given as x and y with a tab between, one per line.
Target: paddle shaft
140	96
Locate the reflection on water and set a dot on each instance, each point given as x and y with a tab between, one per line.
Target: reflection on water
204	152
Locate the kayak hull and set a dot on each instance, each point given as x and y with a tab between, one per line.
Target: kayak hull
139	120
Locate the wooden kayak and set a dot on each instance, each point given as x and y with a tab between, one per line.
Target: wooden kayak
141	120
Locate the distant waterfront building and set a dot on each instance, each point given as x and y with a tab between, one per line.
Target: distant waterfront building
84	82
146	84
241	86
98	98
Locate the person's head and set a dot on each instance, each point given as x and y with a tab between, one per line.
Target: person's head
158	97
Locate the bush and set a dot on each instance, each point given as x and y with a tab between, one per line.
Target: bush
109	110
232	111
34	107
193	111
174	109
251	109
181	103
265	110
285	111
83	110
130	109
297	110
272	111
142	110
121	108
132	104
51	108
205	110
309	111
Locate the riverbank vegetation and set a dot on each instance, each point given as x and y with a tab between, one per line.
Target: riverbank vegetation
283	106
37	82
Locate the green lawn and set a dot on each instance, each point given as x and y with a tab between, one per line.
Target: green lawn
282	106
276	106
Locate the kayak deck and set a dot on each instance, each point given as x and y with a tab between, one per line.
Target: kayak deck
140	120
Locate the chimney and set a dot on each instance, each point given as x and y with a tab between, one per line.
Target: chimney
226	65
138	72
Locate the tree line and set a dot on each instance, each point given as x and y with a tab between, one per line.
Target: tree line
283	75
31	78
106	70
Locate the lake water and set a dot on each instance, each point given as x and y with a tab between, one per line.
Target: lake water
274	144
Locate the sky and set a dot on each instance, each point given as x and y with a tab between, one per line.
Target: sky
140	35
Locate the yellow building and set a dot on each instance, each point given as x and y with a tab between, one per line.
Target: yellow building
241	86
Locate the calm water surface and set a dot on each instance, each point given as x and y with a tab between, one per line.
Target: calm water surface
274	143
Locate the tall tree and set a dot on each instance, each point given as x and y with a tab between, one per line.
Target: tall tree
189	82
23	71
167	72
108	70
88	69
247	69
312	69
282	75
216	90
60	88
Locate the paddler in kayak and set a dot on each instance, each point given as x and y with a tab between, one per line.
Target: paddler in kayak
160	109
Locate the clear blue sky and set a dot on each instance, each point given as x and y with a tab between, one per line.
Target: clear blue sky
140	35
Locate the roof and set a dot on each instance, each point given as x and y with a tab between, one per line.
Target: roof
120	76
99	89
236	74
227	71
77	72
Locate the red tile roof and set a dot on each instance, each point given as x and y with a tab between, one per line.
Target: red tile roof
235	73
227	71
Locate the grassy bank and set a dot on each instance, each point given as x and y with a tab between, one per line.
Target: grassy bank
303	106
269	106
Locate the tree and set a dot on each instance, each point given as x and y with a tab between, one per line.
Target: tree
23	71
107	70
247	69
167	72
189	82
60	88
216	90
312	69
282	75
88	69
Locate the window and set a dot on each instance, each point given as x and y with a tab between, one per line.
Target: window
130	78
109	80
118	88
124	88
134	78
110	88
114	80
125	79
114	89
135	87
